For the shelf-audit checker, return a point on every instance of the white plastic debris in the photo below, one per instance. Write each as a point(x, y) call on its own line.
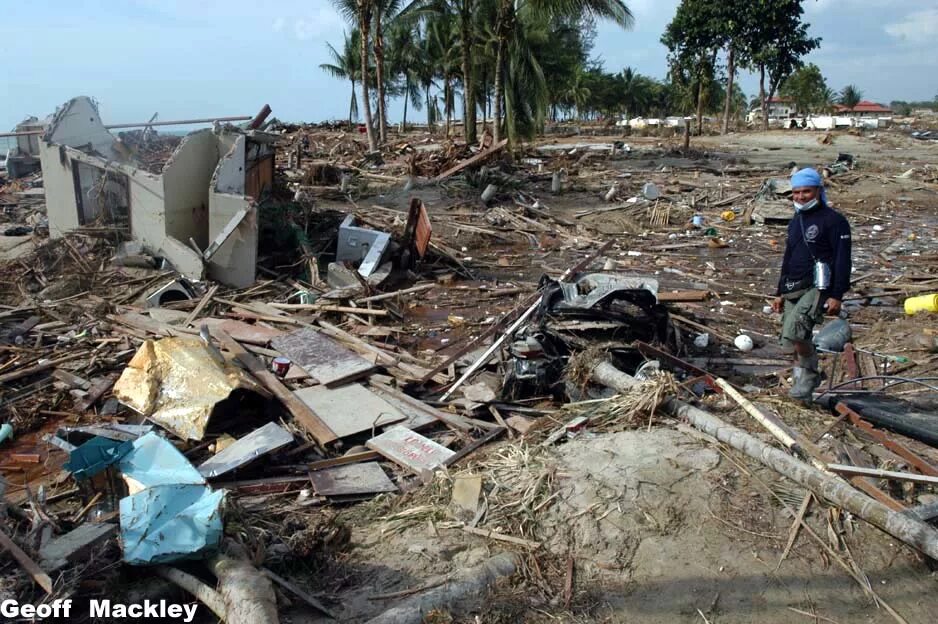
point(702, 340)
point(743, 343)
point(650, 191)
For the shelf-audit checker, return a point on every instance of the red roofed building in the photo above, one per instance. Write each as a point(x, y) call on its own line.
point(864, 109)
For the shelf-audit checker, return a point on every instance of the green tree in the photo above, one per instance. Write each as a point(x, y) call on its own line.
point(807, 89)
point(407, 61)
point(694, 37)
point(776, 40)
point(347, 66)
point(511, 18)
point(850, 96)
point(361, 13)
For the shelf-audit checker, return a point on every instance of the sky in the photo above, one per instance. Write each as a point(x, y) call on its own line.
point(215, 58)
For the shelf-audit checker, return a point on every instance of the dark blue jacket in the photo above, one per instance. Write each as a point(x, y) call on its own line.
point(826, 237)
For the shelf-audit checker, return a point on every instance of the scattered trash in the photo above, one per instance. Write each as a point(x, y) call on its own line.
point(743, 343)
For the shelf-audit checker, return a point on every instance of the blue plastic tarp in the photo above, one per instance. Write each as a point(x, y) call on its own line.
point(96, 455)
point(171, 513)
point(170, 522)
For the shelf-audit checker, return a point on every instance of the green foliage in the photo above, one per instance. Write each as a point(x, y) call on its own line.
point(850, 96)
point(808, 89)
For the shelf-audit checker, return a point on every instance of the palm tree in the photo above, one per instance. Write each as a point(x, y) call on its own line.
point(346, 66)
point(361, 12)
point(406, 59)
point(384, 11)
point(507, 22)
point(850, 96)
point(463, 11)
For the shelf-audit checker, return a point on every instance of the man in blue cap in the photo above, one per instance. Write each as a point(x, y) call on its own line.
point(815, 275)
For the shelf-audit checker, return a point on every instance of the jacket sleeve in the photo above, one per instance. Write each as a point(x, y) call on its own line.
point(786, 259)
point(843, 263)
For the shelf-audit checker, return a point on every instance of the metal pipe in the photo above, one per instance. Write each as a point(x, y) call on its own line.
point(181, 122)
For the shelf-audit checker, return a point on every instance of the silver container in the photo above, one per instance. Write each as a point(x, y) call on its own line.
point(822, 275)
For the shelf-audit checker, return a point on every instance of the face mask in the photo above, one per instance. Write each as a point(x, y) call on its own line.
point(806, 207)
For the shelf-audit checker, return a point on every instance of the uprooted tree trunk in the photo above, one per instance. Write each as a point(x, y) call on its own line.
point(472, 582)
point(244, 596)
point(913, 532)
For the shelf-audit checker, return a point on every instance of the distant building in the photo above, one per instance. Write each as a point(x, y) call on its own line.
point(864, 108)
point(779, 108)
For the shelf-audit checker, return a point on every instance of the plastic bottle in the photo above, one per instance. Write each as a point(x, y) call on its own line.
point(922, 303)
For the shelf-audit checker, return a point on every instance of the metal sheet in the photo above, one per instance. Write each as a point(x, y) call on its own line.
point(176, 382)
point(326, 360)
point(259, 442)
point(367, 478)
point(350, 409)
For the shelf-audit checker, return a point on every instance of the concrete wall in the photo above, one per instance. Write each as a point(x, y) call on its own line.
point(229, 176)
point(235, 262)
point(61, 205)
point(77, 124)
point(186, 179)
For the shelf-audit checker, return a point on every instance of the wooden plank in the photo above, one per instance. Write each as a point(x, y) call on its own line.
point(859, 471)
point(71, 379)
point(683, 296)
point(475, 160)
point(299, 592)
point(367, 478)
point(98, 389)
point(75, 544)
point(453, 421)
point(225, 233)
point(243, 332)
point(344, 459)
point(201, 306)
point(411, 450)
point(914, 460)
point(32, 568)
point(350, 409)
point(307, 418)
point(326, 360)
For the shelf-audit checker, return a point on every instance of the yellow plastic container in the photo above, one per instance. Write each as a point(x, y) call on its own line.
point(923, 303)
point(728, 215)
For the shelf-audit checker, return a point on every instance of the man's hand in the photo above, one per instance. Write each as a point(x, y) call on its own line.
point(833, 307)
point(778, 304)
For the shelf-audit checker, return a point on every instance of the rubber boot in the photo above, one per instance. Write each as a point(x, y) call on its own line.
point(807, 378)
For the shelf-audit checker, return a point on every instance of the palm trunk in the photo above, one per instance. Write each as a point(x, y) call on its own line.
point(426, 89)
point(731, 71)
point(763, 99)
point(379, 70)
point(446, 107)
point(700, 92)
point(351, 107)
point(364, 21)
point(468, 96)
point(499, 87)
point(406, 98)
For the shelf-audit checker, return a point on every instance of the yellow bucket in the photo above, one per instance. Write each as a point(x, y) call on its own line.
point(923, 303)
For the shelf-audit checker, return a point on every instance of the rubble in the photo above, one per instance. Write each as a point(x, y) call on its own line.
point(332, 348)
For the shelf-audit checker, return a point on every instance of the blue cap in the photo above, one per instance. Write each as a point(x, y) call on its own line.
point(809, 177)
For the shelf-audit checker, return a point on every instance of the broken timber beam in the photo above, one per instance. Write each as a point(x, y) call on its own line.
point(304, 416)
point(474, 160)
point(225, 233)
point(31, 567)
point(911, 531)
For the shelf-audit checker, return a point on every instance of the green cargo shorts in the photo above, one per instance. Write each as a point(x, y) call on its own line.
point(800, 316)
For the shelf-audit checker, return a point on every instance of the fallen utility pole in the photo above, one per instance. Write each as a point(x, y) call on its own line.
point(904, 528)
point(497, 343)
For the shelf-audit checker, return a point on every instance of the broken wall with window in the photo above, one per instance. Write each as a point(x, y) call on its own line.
point(210, 179)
